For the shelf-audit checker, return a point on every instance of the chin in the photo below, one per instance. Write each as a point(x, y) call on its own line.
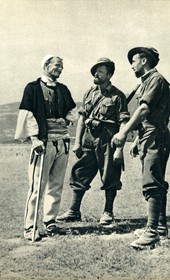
point(96, 82)
point(55, 77)
point(138, 75)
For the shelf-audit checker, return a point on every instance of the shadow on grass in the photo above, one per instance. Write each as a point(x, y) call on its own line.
point(122, 226)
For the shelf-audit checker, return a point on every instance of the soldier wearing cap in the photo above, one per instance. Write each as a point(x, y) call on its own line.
point(45, 111)
point(103, 111)
point(151, 119)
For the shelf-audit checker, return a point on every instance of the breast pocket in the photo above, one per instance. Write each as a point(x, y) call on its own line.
point(108, 109)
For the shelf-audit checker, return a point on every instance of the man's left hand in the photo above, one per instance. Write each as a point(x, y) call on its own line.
point(118, 157)
point(118, 139)
point(77, 149)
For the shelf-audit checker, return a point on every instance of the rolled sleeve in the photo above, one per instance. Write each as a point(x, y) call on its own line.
point(122, 114)
point(152, 92)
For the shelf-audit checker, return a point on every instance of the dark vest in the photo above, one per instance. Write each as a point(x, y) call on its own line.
point(33, 100)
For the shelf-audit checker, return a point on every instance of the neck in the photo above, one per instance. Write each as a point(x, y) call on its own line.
point(147, 69)
point(52, 78)
point(104, 85)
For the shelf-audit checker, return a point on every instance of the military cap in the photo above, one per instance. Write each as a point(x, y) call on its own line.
point(103, 61)
point(153, 53)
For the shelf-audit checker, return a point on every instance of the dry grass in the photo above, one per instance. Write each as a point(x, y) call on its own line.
point(88, 251)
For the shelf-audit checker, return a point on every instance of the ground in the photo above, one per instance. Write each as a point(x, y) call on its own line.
point(87, 251)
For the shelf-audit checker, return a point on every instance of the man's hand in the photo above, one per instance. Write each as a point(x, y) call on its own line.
point(134, 152)
point(61, 121)
point(37, 145)
point(118, 156)
point(118, 139)
point(77, 149)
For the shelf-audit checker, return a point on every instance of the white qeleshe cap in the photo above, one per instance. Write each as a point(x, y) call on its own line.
point(45, 58)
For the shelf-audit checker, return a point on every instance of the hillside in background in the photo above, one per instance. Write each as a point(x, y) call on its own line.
point(8, 120)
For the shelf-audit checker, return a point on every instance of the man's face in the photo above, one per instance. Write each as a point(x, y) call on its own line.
point(137, 65)
point(101, 76)
point(54, 68)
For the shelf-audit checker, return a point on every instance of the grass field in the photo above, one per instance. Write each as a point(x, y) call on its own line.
point(88, 251)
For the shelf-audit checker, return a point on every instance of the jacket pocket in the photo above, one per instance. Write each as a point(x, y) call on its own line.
point(108, 109)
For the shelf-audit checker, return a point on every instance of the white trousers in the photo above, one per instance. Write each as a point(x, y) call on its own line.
point(54, 168)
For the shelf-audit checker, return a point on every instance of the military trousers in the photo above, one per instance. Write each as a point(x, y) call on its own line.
point(98, 157)
point(154, 154)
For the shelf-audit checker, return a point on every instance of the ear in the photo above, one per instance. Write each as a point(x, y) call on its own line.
point(109, 75)
point(46, 67)
point(144, 60)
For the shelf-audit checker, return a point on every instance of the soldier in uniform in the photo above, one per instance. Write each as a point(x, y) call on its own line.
point(151, 119)
point(103, 112)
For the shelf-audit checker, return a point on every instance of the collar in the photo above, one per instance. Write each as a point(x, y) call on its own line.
point(148, 74)
point(106, 90)
point(48, 81)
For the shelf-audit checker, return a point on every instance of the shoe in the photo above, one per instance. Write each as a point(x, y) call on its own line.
point(107, 218)
point(52, 230)
point(162, 230)
point(69, 216)
point(28, 234)
point(149, 237)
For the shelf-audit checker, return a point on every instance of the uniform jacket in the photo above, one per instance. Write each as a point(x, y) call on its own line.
point(110, 105)
point(109, 108)
point(155, 92)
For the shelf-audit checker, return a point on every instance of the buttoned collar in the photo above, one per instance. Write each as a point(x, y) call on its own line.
point(48, 81)
point(148, 74)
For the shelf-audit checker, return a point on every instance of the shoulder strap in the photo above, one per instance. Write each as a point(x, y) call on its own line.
point(129, 98)
point(95, 105)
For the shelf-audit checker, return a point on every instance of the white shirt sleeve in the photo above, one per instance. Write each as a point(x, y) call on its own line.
point(72, 115)
point(26, 125)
